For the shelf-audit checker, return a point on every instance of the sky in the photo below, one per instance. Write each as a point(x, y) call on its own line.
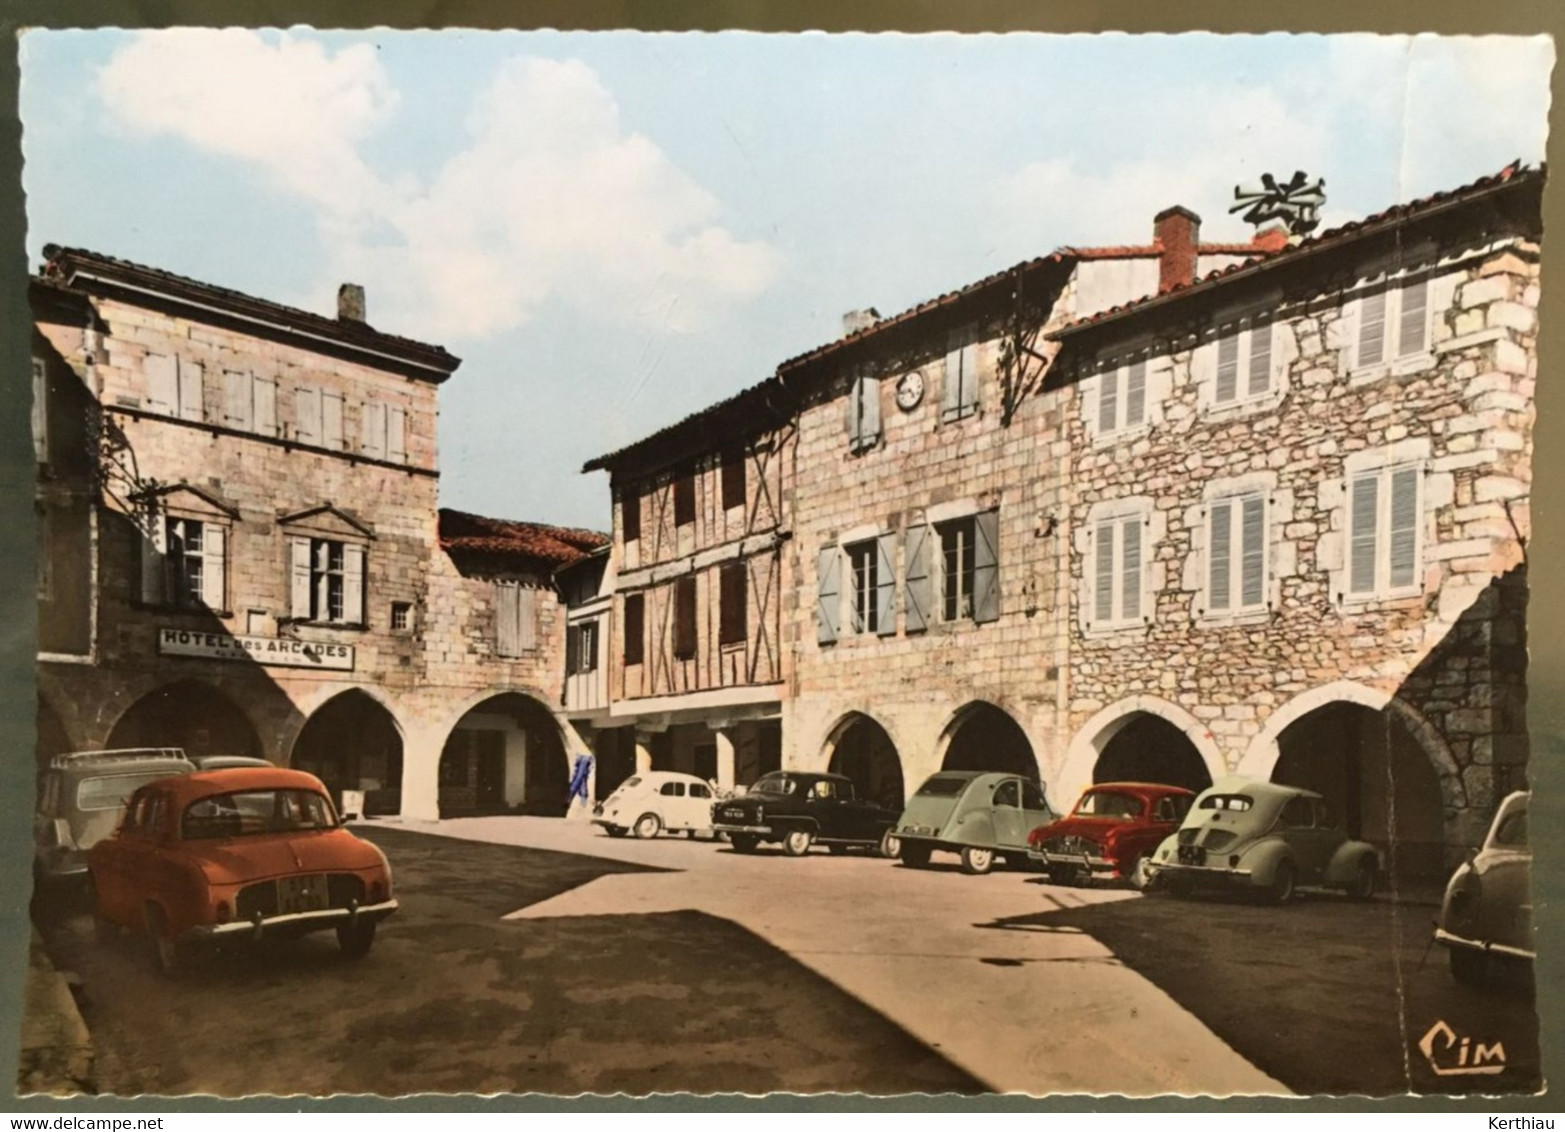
point(614, 230)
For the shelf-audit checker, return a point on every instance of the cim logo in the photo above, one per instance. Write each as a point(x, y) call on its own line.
point(1450, 1055)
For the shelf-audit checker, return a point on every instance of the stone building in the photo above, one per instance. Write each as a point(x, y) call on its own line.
point(241, 550)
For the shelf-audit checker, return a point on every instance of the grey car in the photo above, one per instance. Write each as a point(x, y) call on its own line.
point(80, 797)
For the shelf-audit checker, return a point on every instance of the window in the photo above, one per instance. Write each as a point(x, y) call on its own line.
point(969, 583)
point(184, 563)
point(328, 581)
point(317, 417)
point(1122, 397)
point(581, 648)
point(187, 563)
point(863, 413)
point(733, 479)
point(959, 398)
point(516, 618)
point(174, 386)
point(630, 514)
point(1236, 555)
point(635, 628)
point(384, 429)
point(1008, 793)
point(861, 568)
point(1298, 813)
point(672, 790)
point(732, 584)
point(401, 616)
point(1032, 797)
point(250, 402)
point(685, 617)
point(1393, 322)
point(1244, 362)
point(1383, 521)
point(1118, 570)
point(685, 499)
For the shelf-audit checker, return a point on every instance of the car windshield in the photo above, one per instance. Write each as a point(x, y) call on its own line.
point(939, 787)
point(111, 791)
point(774, 784)
point(1512, 831)
point(248, 812)
point(1237, 802)
point(1108, 804)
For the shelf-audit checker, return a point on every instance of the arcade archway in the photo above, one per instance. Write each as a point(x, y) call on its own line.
point(505, 755)
point(1148, 748)
point(982, 737)
point(190, 715)
point(861, 750)
point(352, 742)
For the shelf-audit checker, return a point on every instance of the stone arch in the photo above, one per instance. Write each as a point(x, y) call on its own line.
point(506, 752)
point(1092, 739)
point(983, 736)
point(862, 749)
point(353, 741)
point(190, 714)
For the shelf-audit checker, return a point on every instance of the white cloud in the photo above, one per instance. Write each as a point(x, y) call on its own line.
point(551, 196)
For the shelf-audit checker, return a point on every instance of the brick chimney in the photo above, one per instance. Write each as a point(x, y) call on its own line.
point(855, 321)
point(350, 303)
point(1176, 232)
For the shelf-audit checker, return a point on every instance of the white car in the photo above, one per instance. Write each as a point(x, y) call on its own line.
point(647, 804)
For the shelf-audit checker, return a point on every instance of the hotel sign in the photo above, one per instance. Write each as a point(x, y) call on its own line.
point(260, 650)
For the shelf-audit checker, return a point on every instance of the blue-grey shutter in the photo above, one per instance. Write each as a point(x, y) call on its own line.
point(1404, 526)
point(869, 426)
point(986, 566)
point(885, 586)
point(827, 601)
point(1221, 555)
point(1103, 605)
point(1108, 400)
point(1136, 393)
point(1252, 551)
point(1415, 305)
point(969, 385)
point(951, 391)
point(1365, 497)
point(1227, 366)
point(916, 613)
point(1372, 329)
point(1260, 358)
point(1130, 596)
point(507, 602)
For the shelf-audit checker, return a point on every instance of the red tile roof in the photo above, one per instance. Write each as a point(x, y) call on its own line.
point(537, 543)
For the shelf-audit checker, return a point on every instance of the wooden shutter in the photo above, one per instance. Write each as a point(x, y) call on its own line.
point(869, 422)
point(1404, 527)
point(372, 426)
point(1136, 393)
point(162, 383)
point(508, 619)
point(685, 498)
point(353, 584)
point(1108, 400)
point(396, 434)
point(331, 420)
point(1221, 556)
point(301, 593)
point(190, 390)
point(951, 393)
point(40, 419)
point(685, 617)
point(916, 564)
point(828, 601)
point(572, 650)
point(1361, 569)
point(635, 628)
point(1372, 329)
point(307, 415)
point(630, 513)
point(733, 479)
point(885, 586)
point(1252, 552)
point(732, 602)
point(527, 618)
point(1411, 328)
point(968, 396)
point(1260, 358)
point(986, 566)
point(213, 566)
point(236, 399)
point(853, 420)
point(154, 555)
point(1103, 574)
point(1227, 366)
point(1130, 595)
point(265, 390)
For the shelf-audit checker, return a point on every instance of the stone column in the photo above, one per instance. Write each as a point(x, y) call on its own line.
point(643, 752)
point(725, 757)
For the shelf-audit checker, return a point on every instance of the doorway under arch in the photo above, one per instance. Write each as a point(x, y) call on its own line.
point(1149, 748)
point(352, 742)
point(982, 737)
point(505, 755)
point(187, 714)
point(863, 751)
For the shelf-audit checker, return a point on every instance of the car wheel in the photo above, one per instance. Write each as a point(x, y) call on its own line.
point(796, 842)
point(1281, 890)
point(977, 862)
point(890, 845)
point(648, 825)
point(1363, 886)
point(616, 830)
point(915, 856)
point(743, 842)
point(355, 940)
point(1137, 874)
point(1468, 967)
point(167, 955)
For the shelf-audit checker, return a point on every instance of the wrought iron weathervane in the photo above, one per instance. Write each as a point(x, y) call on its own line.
point(1296, 202)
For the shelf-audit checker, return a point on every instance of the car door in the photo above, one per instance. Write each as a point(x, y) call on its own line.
point(1310, 843)
point(671, 805)
point(1010, 828)
point(698, 806)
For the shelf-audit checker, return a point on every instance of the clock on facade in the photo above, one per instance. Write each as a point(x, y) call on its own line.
point(910, 390)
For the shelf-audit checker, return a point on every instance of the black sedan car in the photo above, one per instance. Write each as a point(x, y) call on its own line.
point(799, 810)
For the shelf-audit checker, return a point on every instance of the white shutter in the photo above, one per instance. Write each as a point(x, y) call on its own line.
point(986, 566)
point(300, 595)
point(969, 384)
point(162, 383)
point(507, 619)
point(372, 430)
point(951, 392)
point(331, 420)
point(855, 412)
point(190, 407)
point(265, 406)
point(1412, 328)
point(527, 617)
point(869, 425)
point(1260, 359)
point(1108, 400)
point(307, 416)
point(1361, 530)
point(885, 586)
point(154, 556)
point(1103, 575)
point(1404, 526)
point(353, 584)
point(1252, 551)
point(916, 551)
point(213, 567)
point(1130, 594)
point(1220, 552)
point(1372, 329)
point(1227, 367)
point(1136, 393)
point(828, 599)
point(236, 399)
point(396, 434)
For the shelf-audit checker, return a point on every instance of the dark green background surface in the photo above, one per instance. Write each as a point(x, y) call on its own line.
point(1546, 711)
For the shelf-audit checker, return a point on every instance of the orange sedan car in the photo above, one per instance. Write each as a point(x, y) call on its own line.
point(246, 853)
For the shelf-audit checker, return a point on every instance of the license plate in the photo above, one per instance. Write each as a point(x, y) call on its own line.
point(1192, 855)
point(301, 894)
point(733, 815)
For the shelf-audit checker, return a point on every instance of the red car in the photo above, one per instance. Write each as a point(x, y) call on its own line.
point(1111, 832)
point(251, 853)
